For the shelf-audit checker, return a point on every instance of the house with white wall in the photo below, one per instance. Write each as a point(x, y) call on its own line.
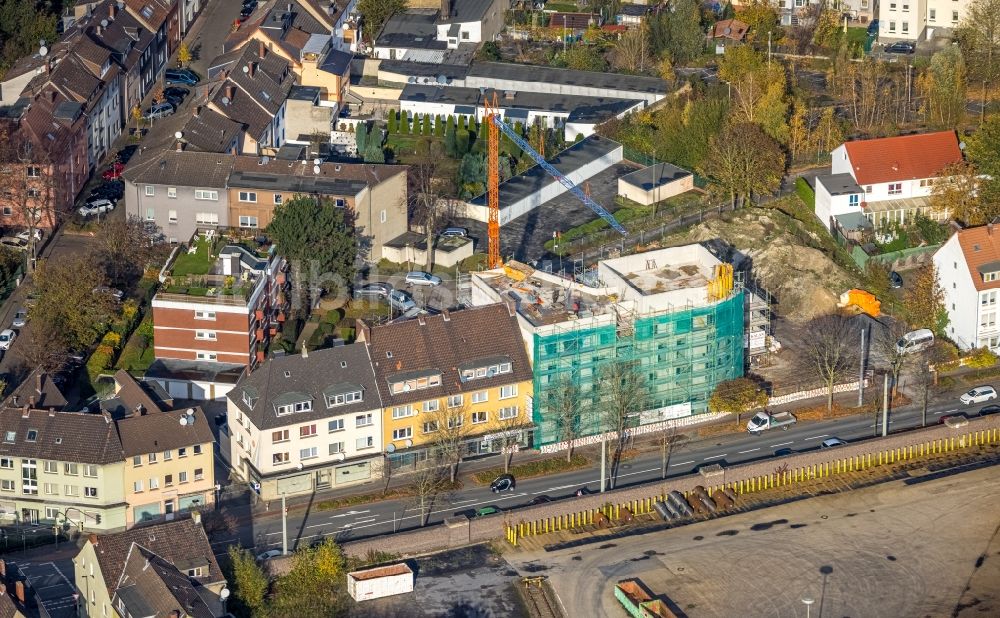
point(920, 19)
point(968, 271)
point(886, 180)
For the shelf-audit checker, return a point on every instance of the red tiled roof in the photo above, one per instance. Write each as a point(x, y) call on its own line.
point(736, 29)
point(981, 248)
point(906, 157)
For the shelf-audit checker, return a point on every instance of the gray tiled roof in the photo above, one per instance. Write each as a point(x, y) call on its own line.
point(289, 379)
point(152, 586)
point(210, 131)
point(60, 436)
point(39, 391)
point(186, 169)
point(160, 431)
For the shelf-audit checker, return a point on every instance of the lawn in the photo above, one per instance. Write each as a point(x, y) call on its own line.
point(197, 263)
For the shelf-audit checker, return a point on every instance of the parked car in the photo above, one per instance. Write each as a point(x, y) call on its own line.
point(978, 394)
point(901, 47)
point(103, 289)
point(488, 510)
point(7, 338)
point(401, 301)
point(159, 110)
point(20, 318)
point(376, 290)
point(539, 500)
point(95, 208)
point(125, 154)
point(13, 242)
point(115, 171)
point(451, 232)
point(24, 234)
point(267, 555)
point(832, 442)
point(186, 77)
point(176, 92)
point(895, 280)
point(113, 190)
point(419, 277)
point(781, 452)
point(987, 410)
point(504, 482)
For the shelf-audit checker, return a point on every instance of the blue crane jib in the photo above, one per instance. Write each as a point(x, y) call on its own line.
point(566, 182)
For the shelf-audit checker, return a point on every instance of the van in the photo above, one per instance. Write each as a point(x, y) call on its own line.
point(914, 341)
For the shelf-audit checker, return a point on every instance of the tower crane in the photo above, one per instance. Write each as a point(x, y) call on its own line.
point(495, 126)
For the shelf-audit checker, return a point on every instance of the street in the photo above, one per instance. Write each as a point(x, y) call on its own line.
point(394, 515)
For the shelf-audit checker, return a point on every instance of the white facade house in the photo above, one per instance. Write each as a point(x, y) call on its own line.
point(919, 19)
point(886, 180)
point(968, 271)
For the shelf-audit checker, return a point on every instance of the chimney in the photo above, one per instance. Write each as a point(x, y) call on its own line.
point(197, 111)
point(93, 539)
point(19, 591)
point(305, 351)
point(31, 403)
point(421, 320)
point(289, 5)
point(179, 146)
point(48, 65)
point(253, 69)
point(3, 588)
point(24, 411)
point(99, 30)
point(38, 383)
point(175, 613)
point(112, 8)
point(262, 49)
point(363, 330)
point(52, 412)
point(141, 411)
point(231, 92)
point(196, 517)
point(445, 315)
point(3, 568)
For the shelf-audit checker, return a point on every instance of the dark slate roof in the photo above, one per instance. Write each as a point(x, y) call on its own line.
point(567, 77)
point(152, 586)
point(655, 176)
point(169, 368)
point(242, 107)
point(181, 542)
point(574, 21)
point(839, 184)
point(186, 169)
point(39, 391)
point(411, 29)
point(445, 342)
point(599, 112)
point(304, 93)
point(465, 11)
point(336, 62)
point(305, 184)
point(287, 379)
point(61, 436)
point(634, 10)
point(423, 69)
point(210, 131)
point(160, 431)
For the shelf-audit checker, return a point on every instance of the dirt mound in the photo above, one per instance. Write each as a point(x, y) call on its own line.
point(783, 255)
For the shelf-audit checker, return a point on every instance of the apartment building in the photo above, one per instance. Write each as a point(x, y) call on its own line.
point(149, 571)
point(307, 422)
point(968, 271)
point(61, 467)
point(465, 369)
point(920, 19)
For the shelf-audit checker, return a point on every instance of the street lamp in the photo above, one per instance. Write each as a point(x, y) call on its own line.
point(808, 602)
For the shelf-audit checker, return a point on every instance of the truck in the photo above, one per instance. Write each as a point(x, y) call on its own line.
point(638, 602)
point(764, 420)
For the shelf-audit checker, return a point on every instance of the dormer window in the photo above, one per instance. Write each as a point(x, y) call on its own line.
point(404, 383)
point(304, 405)
point(250, 399)
point(485, 368)
point(342, 399)
point(991, 276)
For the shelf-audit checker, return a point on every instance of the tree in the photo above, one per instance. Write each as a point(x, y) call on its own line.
point(894, 358)
point(448, 433)
point(361, 138)
point(666, 70)
point(393, 122)
point(762, 18)
point(584, 58)
point(314, 233)
point(70, 314)
point(798, 132)
point(632, 52)
point(877, 279)
point(315, 584)
point(745, 161)
point(979, 38)
point(123, 249)
point(427, 197)
point(983, 151)
point(427, 130)
point(830, 351)
point(737, 396)
point(373, 151)
point(923, 301)
point(249, 581)
point(623, 395)
point(758, 89)
point(869, 91)
point(956, 194)
point(374, 14)
point(22, 26)
point(183, 53)
point(686, 37)
point(425, 484)
point(563, 404)
point(509, 432)
point(670, 439)
point(942, 87)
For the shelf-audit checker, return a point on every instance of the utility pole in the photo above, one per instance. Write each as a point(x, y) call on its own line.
point(885, 406)
point(923, 408)
point(604, 451)
point(284, 527)
point(861, 376)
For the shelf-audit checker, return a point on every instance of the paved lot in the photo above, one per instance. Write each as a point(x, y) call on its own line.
point(890, 550)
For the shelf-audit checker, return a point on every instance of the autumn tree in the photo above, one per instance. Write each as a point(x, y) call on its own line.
point(831, 351)
point(623, 395)
point(677, 32)
point(983, 151)
point(942, 87)
point(762, 17)
point(632, 51)
point(183, 53)
point(746, 162)
point(868, 90)
point(123, 250)
point(923, 301)
point(583, 57)
point(955, 194)
point(562, 402)
point(893, 358)
point(375, 13)
point(428, 195)
point(68, 312)
point(979, 38)
point(737, 396)
point(315, 584)
point(798, 132)
point(665, 69)
point(249, 582)
point(758, 89)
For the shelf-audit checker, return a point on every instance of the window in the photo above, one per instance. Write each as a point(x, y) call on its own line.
point(895, 188)
point(206, 356)
point(150, 191)
point(248, 221)
point(205, 335)
point(854, 199)
point(506, 392)
point(168, 480)
point(151, 458)
point(933, 14)
point(402, 412)
point(9, 436)
point(195, 572)
point(51, 467)
point(7, 211)
point(892, 6)
point(70, 469)
point(480, 397)
point(29, 477)
point(432, 406)
point(417, 384)
point(487, 371)
point(279, 458)
point(336, 424)
point(382, 218)
point(197, 449)
point(90, 492)
point(136, 461)
point(455, 421)
point(33, 171)
point(430, 426)
point(954, 17)
point(455, 401)
point(204, 315)
point(172, 216)
point(906, 8)
point(402, 434)
point(168, 455)
point(892, 26)
point(989, 298)
point(248, 196)
point(7, 462)
point(206, 218)
point(986, 277)
point(336, 447)
point(137, 486)
point(154, 483)
point(340, 202)
point(7, 485)
point(363, 420)
point(52, 489)
point(90, 471)
point(199, 473)
point(343, 398)
point(182, 452)
point(307, 453)
point(364, 442)
point(277, 198)
point(31, 436)
point(307, 431)
point(182, 477)
point(34, 193)
point(172, 192)
point(906, 27)
point(279, 436)
point(988, 320)
point(205, 194)
point(507, 413)
point(70, 490)
point(302, 406)
point(479, 417)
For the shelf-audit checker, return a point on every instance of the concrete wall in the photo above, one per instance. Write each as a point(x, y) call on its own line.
point(447, 259)
point(656, 194)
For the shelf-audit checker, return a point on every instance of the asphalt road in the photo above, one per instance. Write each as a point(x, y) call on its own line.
point(394, 515)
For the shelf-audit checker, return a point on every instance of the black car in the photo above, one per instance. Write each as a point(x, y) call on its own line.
point(248, 9)
point(127, 153)
point(585, 491)
point(895, 280)
point(901, 47)
point(987, 410)
point(539, 500)
point(781, 452)
point(176, 92)
point(504, 482)
point(110, 190)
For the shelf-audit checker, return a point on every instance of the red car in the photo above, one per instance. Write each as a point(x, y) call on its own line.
point(114, 172)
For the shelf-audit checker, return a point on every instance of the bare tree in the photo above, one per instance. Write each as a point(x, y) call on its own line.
point(830, 350)
point(632, 51)
point(670, 439)
point(563, 402)
point(123, 249)
point(448, 431)
point(428, 197)
point(894, 358)
point(426, 483)
point(623, 395)
point(510, 431)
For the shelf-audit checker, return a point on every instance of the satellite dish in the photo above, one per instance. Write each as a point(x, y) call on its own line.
point(104, 23)
point(961, 145)
point(442, 79)
point(390, 449)
point(43, 51)
point(298, 466)
point(225, 100)
point(246, 69)
point(411, 80)
point(317, 161)
point(408, 443)
point(190, 411)
point(224, 594)
point(406, 388)
point(315, 169)
point(178, 135)
point(342, 456)
point(183, 421)
point(728, 31)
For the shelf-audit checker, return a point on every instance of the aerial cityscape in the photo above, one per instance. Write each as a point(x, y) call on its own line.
point(499, 308)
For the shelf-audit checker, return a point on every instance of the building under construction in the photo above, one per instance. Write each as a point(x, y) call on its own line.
point(675, 315)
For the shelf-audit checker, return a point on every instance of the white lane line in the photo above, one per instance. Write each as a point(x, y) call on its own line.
point(944, 412)
point(783, 444)
point(749, 450)
point(366, 520)
point(953, 410)
point(715, 457)
point(350, 513)
point(558, 488)
point(817, 437)
point(457, 502)
point(681, 463)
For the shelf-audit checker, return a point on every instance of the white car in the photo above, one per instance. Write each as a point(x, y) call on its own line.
point(7, 337)
point(25, 234)
point(97, 207)
point(832, 442)
point(20, 318)
point(978, 395)
point(419, 277)
point(267, 555)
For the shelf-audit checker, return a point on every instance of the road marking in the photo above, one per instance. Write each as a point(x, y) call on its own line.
point(783, 444)
point(749, 451)
point(954, 410)
point(825, 435)
point(456, 503)
point(349, 513)
point(558, 488)
point(681, 463)
point(366, 520)
point(943, 412)
point(715, 456)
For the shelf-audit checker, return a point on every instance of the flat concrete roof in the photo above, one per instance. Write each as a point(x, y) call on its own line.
point(655, 176)
point(839, 184)
point(541, 101)
point(567, 77)
point(545, 298)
